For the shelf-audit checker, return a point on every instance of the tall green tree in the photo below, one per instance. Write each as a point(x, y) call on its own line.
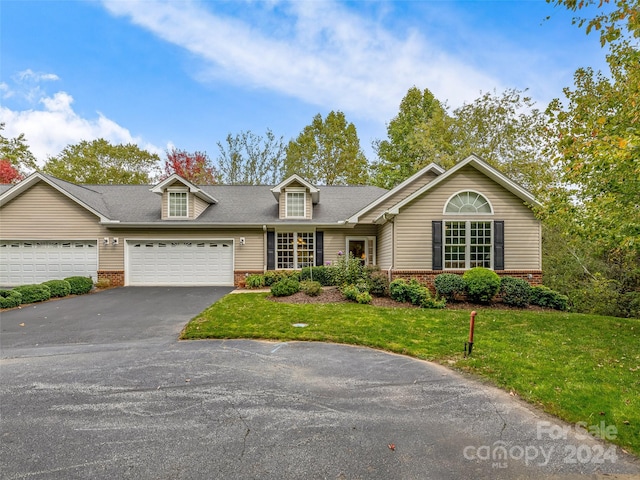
point(250, 159)
point(100, 162)
point(17, 152)
point(327, 152)
point(421, 133)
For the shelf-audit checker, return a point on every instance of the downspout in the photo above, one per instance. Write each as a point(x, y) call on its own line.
point(393, 247)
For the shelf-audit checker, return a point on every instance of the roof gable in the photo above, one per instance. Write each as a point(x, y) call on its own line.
point(479, 164)
point(175, 178)
point(61, 186)
point(296, 179)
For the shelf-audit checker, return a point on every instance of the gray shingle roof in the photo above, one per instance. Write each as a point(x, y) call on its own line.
point(237, 204)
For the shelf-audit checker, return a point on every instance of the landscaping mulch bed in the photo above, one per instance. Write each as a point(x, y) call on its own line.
point(333, 295)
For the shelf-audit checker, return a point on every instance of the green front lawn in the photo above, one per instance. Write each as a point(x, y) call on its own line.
point(582, 368)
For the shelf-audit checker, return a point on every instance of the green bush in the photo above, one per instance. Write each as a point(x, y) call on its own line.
point(515, 291)
point(347, 269)
point(379, 284)
point(481, 284)
point(350, 292)
point(34, 293)
point(321, 274)
point(10, 298)
point(398, 290)
point(547, 298)
point(103, 283)
point(59, 288)
point(363, 298)
point(449, 285)
point(285, 287)
point(417, 294)
point(631, 304)
point(255, 281)
point(434, 303)
point(311, 288)
point(274, 276)
point(80, 285)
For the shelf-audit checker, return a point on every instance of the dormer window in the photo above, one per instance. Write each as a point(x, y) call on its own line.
point(178, 204)
point(296, 204)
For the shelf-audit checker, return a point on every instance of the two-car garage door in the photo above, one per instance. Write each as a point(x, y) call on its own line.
point(26, 262)
point(180, 262)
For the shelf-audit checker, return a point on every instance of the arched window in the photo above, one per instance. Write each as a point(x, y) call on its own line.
point(468, 202)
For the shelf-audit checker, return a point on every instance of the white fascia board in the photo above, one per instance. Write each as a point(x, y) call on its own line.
point(437, 169)
point(482, 166)
point(36, 177)
point(186, 224)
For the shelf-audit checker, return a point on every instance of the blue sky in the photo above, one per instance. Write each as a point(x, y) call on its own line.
point(187, 73)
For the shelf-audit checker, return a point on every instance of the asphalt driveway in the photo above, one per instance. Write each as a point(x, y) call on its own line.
point(97, 402)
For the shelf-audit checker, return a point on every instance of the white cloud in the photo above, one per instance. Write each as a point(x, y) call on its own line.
point(318, 52)
point(54, 125)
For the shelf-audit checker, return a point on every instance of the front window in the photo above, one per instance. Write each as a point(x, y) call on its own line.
point(178, 204)
point(467, 244)
point(295, 204)
point(294, 250)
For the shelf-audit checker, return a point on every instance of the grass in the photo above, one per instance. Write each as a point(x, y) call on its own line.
point(581, 368)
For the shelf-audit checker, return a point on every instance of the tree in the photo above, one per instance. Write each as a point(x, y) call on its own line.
point(100, 162)
point(420, 134)
point(249, 159)
point(17, 152)
point(505, 130)
point(9, 173)
point(327, 152)
point(195, 167)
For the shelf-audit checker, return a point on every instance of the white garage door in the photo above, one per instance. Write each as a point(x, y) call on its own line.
point(25, 262)
point(180, 262)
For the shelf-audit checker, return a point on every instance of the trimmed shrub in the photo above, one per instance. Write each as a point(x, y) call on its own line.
point(481, 284)
point(103, 283)
point(274, 276)
point(311, 288)
point(547, 298)
point(417, 293)
point(255, 281)
point(515, 291)
point(379, 284)
point(449, 285)
point(321, 274)
point(34, 293)
point(285, 287)
point(10, 298)
point(350, 292)
point(80, 285)
point(59, 288)
point(363, 298)
point(398, 290)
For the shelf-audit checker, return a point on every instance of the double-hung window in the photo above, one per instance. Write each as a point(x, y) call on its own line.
point(294, 250)
point(296, 204)
point(467, 243)
point(178, 204)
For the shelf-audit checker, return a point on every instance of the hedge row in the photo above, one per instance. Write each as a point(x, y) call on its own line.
point(44, 291)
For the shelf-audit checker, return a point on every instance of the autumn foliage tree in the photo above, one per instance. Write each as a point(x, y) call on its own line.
point(195, 167)
point(9, 173)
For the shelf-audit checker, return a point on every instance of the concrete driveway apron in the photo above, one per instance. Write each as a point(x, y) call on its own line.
point(107, 400)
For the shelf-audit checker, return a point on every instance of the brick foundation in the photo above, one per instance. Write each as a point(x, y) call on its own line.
point(240, 276)
point(427, 277)
point(115, 277)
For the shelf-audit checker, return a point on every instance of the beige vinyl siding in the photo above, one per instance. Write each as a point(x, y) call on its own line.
point(308, 213)
point(199, 206)
point(249, 256)
point(398, 197)
point(385, 245)
point(413, 224)
point(43, 213)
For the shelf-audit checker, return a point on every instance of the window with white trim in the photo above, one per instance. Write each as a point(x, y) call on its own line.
point(468, 243)
point(178, 204)
point(295, 250)
point(296, 204)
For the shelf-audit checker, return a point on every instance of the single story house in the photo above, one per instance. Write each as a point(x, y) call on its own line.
point(178, 233)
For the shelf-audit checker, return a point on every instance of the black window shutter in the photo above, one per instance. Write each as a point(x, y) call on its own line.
point(271, 250)
point(319, 248)
point(436, 241)
point(498, 245)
